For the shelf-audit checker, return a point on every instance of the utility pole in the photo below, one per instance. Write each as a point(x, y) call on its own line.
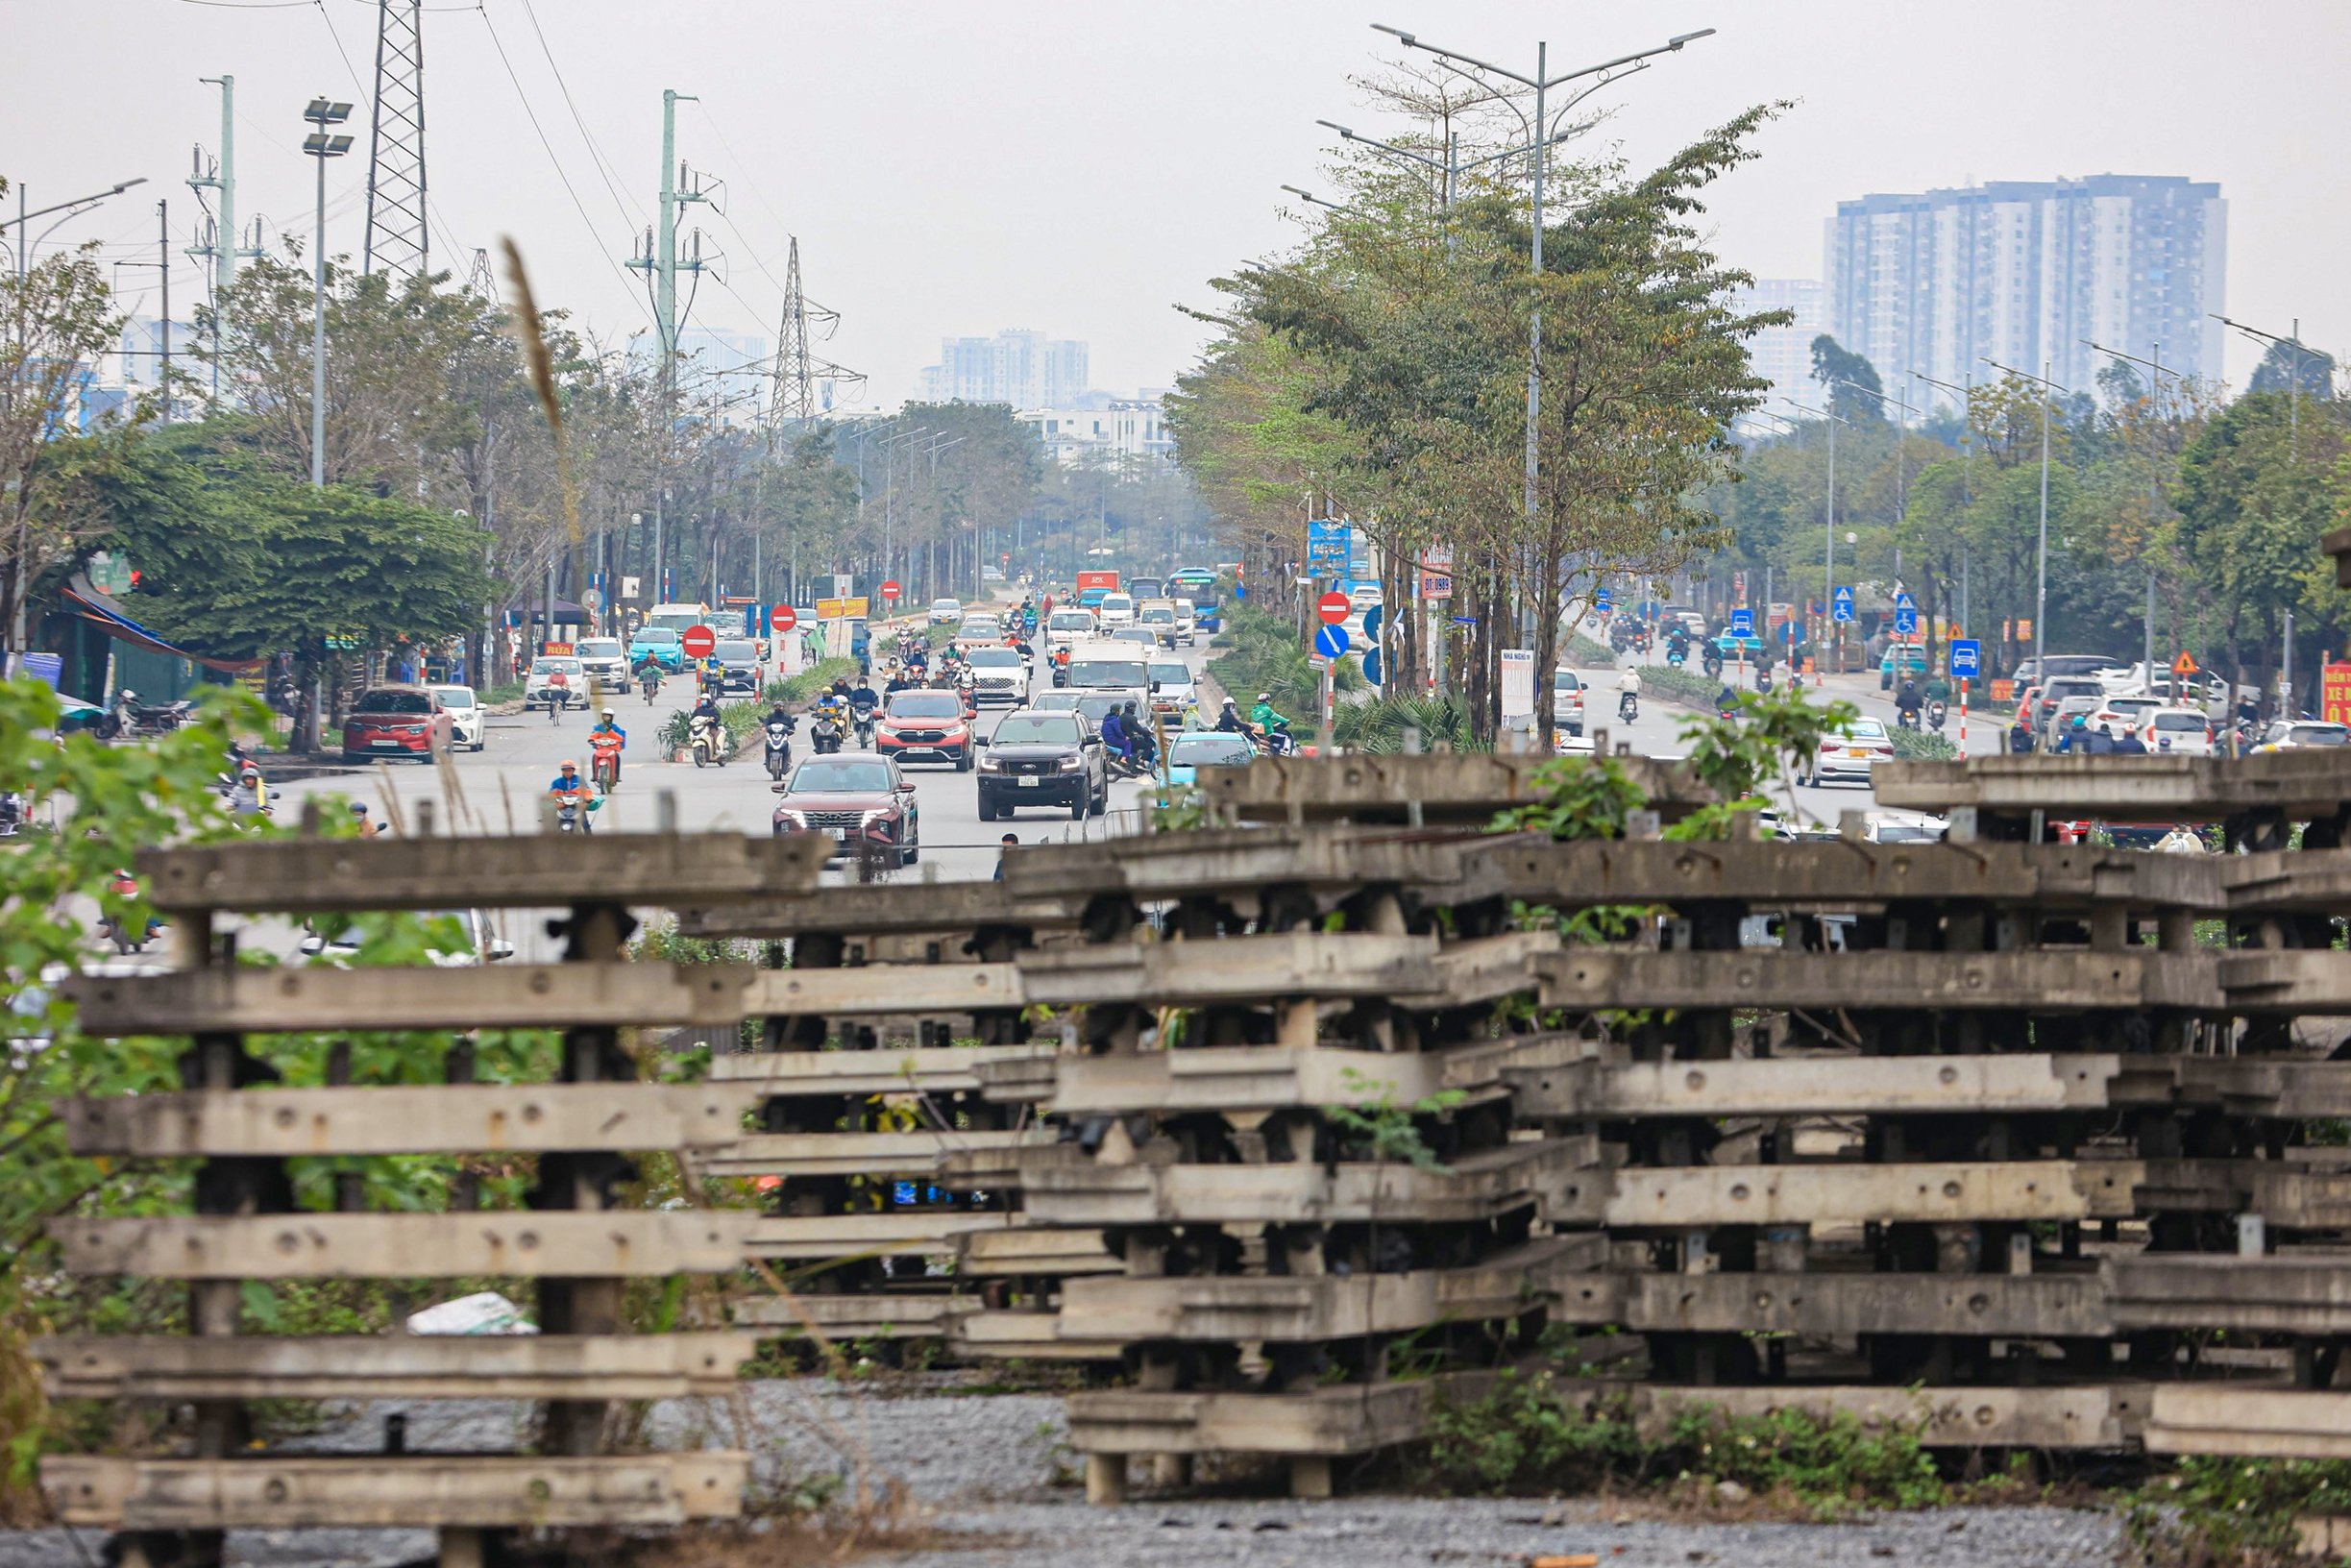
point(398, 243)
point(162, 267)
point(658, 259)
point(220, 246)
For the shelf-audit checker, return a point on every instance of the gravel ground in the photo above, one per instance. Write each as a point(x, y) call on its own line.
point(993, 1469)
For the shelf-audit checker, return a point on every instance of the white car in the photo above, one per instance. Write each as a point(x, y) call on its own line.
point(947, 612)
point(999, 674)
point(1902, 827)
point(1187, 628)
point(978, 630)
point(1862, 746)
point(1117, 610)
point(1566, 702)
point(1173, 687)
point(2294, 734)
point(2180, 732)
point(2126, 711)
point(606, 658)
point(1069, 626)
point(465, 717)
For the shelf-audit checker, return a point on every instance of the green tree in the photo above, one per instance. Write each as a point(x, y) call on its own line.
point(1851, 382)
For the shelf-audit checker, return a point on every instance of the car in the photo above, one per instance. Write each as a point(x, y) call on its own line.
point(1044, 757)
point(1911, 659)
point(947, 612)
point(1197, 749)
point(2067, 709)
point(1143, 637)
point(396, 722)
point(857, 798)
point(539, 687)
point(978, 628)
point(2055, 691)
point(1173, 687)
point(658, 642)
point(2294, 734)
point(1733, 648)
point(1850, 753)
point(1069, 625)
point(1095, 707)
point(1902, 827)
point(466, 719)
point(932, 726)
point(999, 674)
point(1363, 596)
point(1567, 702)
point(604, 659)
point(2184, 732)
point(739, 665)
point(1187, 623)
point(2123, 711)
point(2092, 665)
point(1117, 609)
point(1160, 619)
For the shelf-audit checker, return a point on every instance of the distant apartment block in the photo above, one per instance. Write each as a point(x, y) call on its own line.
point(1025, 369)
point(1783, 355)
point(725, 373)
point(1131, 429)
point(2020, 271)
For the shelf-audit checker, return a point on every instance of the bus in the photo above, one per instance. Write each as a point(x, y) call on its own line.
point(678, 617)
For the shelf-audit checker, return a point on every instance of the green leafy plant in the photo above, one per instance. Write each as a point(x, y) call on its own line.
point(1388, 1128)
point(1576, 798)
point(1924, 745)
point(2218, 1511)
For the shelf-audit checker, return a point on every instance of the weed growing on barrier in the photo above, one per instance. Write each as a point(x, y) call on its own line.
point(1526, 1433)
point(2212, 1510)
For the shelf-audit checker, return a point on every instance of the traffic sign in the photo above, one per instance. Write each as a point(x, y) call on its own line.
point(1967, 656)
point(1329, 641)
point(1905, 619)
point(1371, 624)
point(1599, 600)
point(592, 600)
point(1904, 601)
point(1742, 621)
point(698, 641)
point(1791, 631)
point(1333, 607)
point(1843, 600)
point(1371, 666)
point(890, 589)
point(2184, 666)
point(783, 617)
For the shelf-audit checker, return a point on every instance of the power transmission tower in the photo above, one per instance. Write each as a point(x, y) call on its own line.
point(396, 239)
point(481, 280)
point(797, 372)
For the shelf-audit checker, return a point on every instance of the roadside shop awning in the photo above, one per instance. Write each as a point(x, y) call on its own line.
point(91, 604)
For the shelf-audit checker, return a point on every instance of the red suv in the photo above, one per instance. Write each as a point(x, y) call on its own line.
point(396, 720)
point(932, 726)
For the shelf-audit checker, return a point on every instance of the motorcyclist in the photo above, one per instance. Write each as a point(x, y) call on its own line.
point(1138, 732)
point(608, 737)
point(863, 695)
point(705, 706)
point(1114, 735)
point(1264, 715)
point(1907, 703)
point(569, 789)
point(1229, 720)
point(898, 683)
point(249, 796)
point(2101, 742)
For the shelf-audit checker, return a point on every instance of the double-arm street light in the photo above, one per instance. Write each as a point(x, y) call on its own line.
point(2041, 586)
point(71, 209)
point(322, 145)
point(2294, 390)
point(1541, 140)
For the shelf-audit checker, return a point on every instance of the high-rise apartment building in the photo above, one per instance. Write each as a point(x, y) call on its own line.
point(1025, 369)
point(2020, 272)
point(724, 374)
point(1783, 355)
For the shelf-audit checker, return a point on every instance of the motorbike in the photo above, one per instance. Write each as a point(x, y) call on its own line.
point(12, 813)
point(825, 734)
point(131, 717)
point(650, 681)
point(1763, 680)
point(2020, 738)
point(1677, 655)
point(861, 722)
point(606, 764)
point(570, 819)
point(1279, 742)
point(779, 747)
point(1121, 763)
point(1627, 706)
point(125, 941)
point(1935, 713)
point(706, 738)
point(1907, 717)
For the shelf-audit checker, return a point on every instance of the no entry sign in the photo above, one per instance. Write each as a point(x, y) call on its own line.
point(698, 641)
point(1333, 607)
point(783, 617)
point(890, 589)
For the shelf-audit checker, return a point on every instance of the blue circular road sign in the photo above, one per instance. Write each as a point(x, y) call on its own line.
point(1329, 641)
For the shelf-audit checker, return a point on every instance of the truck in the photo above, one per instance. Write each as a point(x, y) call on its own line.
point(1106, 581)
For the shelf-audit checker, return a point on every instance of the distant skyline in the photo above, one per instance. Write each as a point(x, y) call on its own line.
point(936, 192)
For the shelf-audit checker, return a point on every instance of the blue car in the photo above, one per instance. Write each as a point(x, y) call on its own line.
point(659, 643)
point(1197, 749)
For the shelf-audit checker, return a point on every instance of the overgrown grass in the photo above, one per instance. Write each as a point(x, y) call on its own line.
point(1528, 1436)
point(1378, 726)
point(1668, 684)
point(1579, 650)
point(2223, 1512)
point(1924, 745)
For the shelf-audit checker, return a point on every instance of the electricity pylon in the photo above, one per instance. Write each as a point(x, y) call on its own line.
point(397, 243)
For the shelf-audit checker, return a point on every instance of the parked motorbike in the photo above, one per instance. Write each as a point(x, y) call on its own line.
point(707, 739)
point(1935, 713)
point(779, 747)
point(131, 717)
point(12, 813)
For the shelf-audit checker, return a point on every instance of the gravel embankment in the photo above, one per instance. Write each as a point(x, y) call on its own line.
point(993, 1469)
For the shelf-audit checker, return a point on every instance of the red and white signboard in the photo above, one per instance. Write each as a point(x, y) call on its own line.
point(1333, 608)
point(890, 589)
point(783, 617)
point(698, 641)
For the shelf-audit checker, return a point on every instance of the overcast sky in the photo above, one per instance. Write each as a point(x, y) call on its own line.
point(1081, 167)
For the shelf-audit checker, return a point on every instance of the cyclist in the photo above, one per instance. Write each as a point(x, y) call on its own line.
point(606, 741)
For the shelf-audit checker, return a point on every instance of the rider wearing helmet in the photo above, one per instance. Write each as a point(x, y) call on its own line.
point(1229, 720)
point(609, 738)
point(1264, 715)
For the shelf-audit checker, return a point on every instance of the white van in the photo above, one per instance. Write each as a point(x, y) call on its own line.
point(1117, 610)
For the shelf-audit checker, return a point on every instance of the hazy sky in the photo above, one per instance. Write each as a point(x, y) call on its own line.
point(1080, 167)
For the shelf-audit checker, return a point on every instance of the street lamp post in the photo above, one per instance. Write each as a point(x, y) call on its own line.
point(1539, 146)
point(1829, 585)
point(2041, 581)
point(322, 145)
point(2293, 391)
point(2154, 486)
